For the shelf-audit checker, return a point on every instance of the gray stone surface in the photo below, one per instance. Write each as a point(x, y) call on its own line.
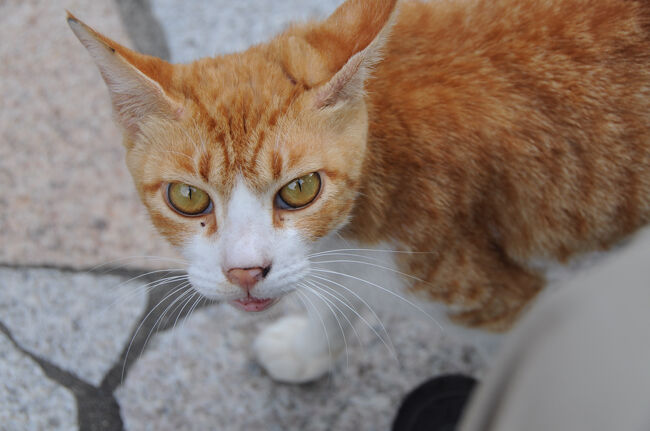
point(29, 401)
point(146, 32)
point(77, 321)
point(200, 28)
point(65, 195)
point(202, 376)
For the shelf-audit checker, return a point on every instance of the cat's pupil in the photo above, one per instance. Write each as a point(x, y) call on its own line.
point(187, 192)
point(296, 183)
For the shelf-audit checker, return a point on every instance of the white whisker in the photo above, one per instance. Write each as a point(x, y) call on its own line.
point(192, 308)
point(356, 295)
point(162, 315)
point(387, 342)
point(181, 310)
point(342, 301)
point(338, 321)
point(333, 255)
point(371, 250)
point(341, 238)
point(440, 326)
point(329, 345)
point(146, 287)
point(374, 265)
point(128, 350)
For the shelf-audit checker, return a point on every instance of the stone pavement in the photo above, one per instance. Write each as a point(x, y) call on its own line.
point(84, 341)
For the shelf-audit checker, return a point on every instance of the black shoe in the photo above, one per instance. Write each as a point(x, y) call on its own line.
point(435, 405)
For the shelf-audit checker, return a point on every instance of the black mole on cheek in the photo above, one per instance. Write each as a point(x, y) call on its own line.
point(202, 224)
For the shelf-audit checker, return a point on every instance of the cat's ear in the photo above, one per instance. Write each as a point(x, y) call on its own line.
point(135, 81)
point(350, 42)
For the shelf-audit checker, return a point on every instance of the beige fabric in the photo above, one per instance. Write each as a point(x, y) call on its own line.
point(581, 359)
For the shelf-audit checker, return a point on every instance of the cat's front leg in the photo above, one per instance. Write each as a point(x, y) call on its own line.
point(300, 348)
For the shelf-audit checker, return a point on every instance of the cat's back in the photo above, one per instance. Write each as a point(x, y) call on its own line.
point(448, 52)
point(543, 105)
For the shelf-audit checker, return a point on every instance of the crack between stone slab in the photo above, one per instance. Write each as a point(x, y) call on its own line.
point(145, 30)
point(97, 406)
point(97, 410)
point(95, 270)
point(148, 323)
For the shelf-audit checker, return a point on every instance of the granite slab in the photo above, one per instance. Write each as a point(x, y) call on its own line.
point(29, 401)
point(66, 197)
point(202, 375)
point(78, 321)
point(209, 27)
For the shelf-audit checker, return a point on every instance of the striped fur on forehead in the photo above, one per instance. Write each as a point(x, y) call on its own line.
point(242, 130)
point(236, 100)
point(287, 140)
point(208, 146)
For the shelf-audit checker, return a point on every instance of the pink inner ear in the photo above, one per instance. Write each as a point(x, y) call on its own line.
point(345, 85)
point(351, 40)
point(350, 29)
point(179, 113)
point(135, 81)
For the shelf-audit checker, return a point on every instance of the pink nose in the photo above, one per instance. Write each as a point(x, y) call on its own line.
point(246, 278)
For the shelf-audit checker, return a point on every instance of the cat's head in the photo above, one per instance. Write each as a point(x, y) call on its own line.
point(244, 161)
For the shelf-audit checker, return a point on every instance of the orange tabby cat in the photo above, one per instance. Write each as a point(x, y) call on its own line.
point(483, 133)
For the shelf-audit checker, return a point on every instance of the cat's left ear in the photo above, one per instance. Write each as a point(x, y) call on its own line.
point(351, 41)
point(136, 82)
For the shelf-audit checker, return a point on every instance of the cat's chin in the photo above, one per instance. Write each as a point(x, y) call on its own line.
point(254, 305)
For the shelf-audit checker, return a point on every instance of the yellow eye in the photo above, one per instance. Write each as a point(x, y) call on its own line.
point(188, 200)
point(299, 192)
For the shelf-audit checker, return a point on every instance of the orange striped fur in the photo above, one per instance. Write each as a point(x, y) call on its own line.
point(488, 132)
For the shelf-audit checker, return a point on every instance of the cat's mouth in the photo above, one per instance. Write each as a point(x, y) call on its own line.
point(253, 305)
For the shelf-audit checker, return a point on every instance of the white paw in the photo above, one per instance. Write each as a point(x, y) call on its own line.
point(290, 353)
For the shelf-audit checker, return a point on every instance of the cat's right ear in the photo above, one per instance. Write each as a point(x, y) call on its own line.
point(350, 42)
point(135, 81)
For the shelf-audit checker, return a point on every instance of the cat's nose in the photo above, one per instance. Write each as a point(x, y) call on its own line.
point(246, 278)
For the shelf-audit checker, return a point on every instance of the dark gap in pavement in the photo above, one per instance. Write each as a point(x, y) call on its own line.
point(145, 31)
point(126, 272)
point(167, 305)
point(97, 409)
point(161, 294)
